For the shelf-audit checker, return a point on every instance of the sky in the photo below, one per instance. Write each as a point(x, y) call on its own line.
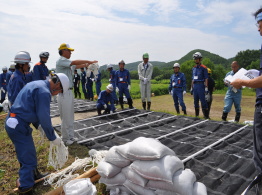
point(112, 30)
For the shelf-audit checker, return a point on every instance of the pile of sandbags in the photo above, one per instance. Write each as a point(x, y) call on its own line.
point(145, 166)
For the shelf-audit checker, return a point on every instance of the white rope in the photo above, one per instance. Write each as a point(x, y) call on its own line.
point(58, 154)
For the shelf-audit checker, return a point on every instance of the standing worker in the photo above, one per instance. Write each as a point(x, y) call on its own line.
point(40, 70)
point(83, 81)
point(3, 84)
point(18, 78)
point(177, 88)
point(112, 80)
point(105, 97)
point(123, 85)
point(66, 100)
point(199, 85)
point(89, 85)
point(32, 105)
point(9, 73)
point(232, 96)
point(76, 82)
point(211, 88)
point(98, 83)
point(145, 70)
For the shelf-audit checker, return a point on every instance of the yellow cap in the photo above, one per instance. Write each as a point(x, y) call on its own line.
point(65, 46)
point(209, 71)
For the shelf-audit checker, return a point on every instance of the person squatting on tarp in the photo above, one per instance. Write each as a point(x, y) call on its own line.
point(18, 79)
point(177, 88)
point(232, 96)
point(211, 88)
point(66, 100)
point(76, 81)
point(40, 70)
point(112, 80)
point(98, 83)
point(83, 81)
point(32, 105)
point(123, 85)
point(256, 83)
point(106, 101)
point(199, 85)
point(145, 70)
point(3, 84)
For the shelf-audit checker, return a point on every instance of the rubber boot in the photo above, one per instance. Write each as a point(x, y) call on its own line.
point(99, 112)
point(224, 116)
point(205, 112)
point(92, 99)
point(38, 175)
point(197, 112)
point(184, 112)
point(177, 110)
point(144, 105)
point(130, 103)
point(121, 102)
point(237, 117)
point(148, 106)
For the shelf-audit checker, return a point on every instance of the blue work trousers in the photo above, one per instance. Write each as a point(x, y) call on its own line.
point(123, 89)
point(84, 89)
point(199, 94)
point(22, 139)
point(98, 88)
point(114, 92)
point(230, 98)
point(101, 107)
point(89, 89)
point(178, 98)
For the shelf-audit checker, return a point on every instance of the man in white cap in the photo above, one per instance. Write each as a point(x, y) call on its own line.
point(106, 97)
point(66, 100)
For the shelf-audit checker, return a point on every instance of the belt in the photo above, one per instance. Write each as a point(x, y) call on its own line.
point(200, 82)
point(122, 82)
point(12, 115)
point(71, 88)
point(177, 87)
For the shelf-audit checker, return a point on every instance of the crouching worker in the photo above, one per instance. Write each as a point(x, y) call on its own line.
point(106, 97)
point(32, 105)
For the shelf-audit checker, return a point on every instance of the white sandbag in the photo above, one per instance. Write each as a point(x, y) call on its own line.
point(118, 179)
point(138, 190)
point(106, 169)
point(81, 186)
point(132, 176)
point(183, 181)
point(119, 189)
point(115, 158)
point(144, 149)
point(162, 169)
point(164, 192)
point(199, 189)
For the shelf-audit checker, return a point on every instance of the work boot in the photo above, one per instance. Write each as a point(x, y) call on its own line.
point(121, 102)
point(197, 112)
point(99, 112)
point(130, 103)
point(144, 105)
point(177, 110)
point(148, 106)
point(224, 116)
point(38, 175)
point(205, 112)
point(184, 112)
point(92, 99)
point(237, 117)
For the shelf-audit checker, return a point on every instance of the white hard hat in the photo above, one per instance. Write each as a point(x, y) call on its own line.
point(22, 57)
point(197, 55)
point(176, 65)
point(110, 87)
point(12, 66)
point(44, 54)
point(109, 66)
point(4, 68)
point(64, 81)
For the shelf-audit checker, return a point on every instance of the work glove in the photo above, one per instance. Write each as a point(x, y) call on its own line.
point(253, 72)
point(57, 141)
point(117, 90)
point(129, 87)
point(191, 91)
point(206, 90)
point(184, 92)
point(171, 92)
point(145, 81)
point(92, 79)
point(105, 106)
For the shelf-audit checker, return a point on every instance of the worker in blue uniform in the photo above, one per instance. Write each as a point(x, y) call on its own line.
point(9, 73)
point(233, 96)
point(76, 81)
point(106, 101)
point(18, 78)
point(89, 86)
point(98, 83)
point(83, 81)
point(123, 84)
point(3, 84)
point(177, 88)
point(199, 85)
point(32, 105)
point(112, 80)
point(40, 70)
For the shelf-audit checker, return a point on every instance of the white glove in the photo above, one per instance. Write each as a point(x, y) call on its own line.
point(5, 105)
point(129, 87)
point(253, 72)
point(184, 92)
point(57, 141)
point(111, 112)
point(105, 106)
point(117, 90)
point(171, 92)
point(93, 79)
point(145, 81)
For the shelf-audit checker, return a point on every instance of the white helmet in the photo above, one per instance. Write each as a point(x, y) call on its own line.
point(197, 55)
point(109, 66)
point(4, 68)
point(44, 54)
point(22, 57)
point(110, 87)
point(176, 65)
point(64, 81)
point(12, 66)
